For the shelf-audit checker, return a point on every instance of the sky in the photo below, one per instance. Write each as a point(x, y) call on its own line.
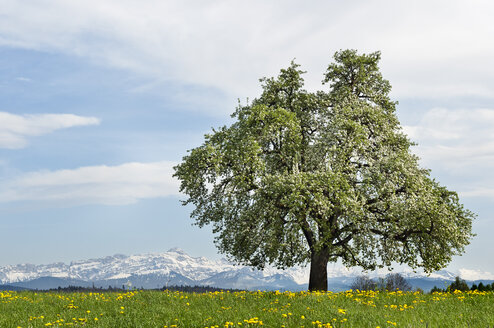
point(100, 99)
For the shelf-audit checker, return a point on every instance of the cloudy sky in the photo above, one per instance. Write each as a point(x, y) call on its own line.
point(99, 99)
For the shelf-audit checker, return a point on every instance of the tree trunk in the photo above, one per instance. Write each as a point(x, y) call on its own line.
point(318, 279)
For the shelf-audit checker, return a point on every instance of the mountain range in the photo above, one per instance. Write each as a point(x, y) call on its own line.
point(175, 268)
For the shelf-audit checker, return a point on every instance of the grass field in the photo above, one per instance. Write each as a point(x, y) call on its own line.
point(246, 309)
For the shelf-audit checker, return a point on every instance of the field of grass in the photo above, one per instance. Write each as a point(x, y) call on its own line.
point(246, 309)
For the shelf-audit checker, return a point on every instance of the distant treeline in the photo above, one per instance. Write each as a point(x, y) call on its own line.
point(461, 285)
point(199, 289)
point(93, 289)
point(182, 288)
point(396, 281)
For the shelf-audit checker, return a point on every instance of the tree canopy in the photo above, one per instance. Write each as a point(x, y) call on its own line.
point(319, 176)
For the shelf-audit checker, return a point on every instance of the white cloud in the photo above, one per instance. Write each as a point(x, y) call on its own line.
point(23, 79)
point(461, 143)
point(111, 185)
point(16, 129)
point(468, 274)
point(430, 48)
point(457, 138)
point(479, 192)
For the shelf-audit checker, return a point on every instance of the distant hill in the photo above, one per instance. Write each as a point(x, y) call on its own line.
point(51, 283)
point(12, 288)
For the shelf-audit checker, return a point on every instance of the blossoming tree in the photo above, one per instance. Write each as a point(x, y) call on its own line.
point(319, 176)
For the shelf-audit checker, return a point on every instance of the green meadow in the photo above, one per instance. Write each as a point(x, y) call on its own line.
point(246, 309)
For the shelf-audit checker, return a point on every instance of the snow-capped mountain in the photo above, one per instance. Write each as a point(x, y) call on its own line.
point(175, 267)
point(119, 267)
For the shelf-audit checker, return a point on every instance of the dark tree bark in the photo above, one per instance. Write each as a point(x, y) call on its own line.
point(318, 279)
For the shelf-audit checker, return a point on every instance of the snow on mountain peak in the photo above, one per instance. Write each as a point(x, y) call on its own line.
point(177, 250)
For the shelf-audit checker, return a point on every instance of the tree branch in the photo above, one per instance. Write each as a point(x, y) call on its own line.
point(308, 233)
